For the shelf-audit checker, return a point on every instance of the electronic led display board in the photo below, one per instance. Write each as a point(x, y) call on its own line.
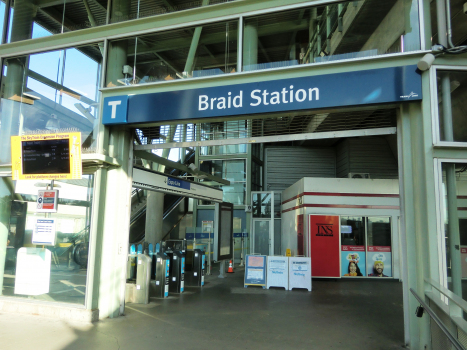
point(46, 156)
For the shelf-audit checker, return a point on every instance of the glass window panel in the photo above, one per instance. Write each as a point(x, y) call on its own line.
point(255, 174)
point(453, 189)
point(219, 150)
point(261, 206)
point(69, 255)
point(277, 205)
point(235, 193)
point(262, 237)
point(352, 230)
point(232, 170)
point(452, 92)
point(379, 231)
point(48, 92)
point(124, 10)
point(30, 19)
point(458, 28)
point(2, 15)
point(277, 237)
point(178, 54)
point(347, 30)
point(235, 129)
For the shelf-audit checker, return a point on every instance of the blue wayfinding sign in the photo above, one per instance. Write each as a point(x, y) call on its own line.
point(385, 85)
point(178, 183)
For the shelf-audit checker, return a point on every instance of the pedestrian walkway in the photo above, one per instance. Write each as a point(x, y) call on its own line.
point(337, 314)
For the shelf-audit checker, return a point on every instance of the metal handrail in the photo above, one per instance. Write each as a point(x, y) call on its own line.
point(449, 294)
point(438, 321)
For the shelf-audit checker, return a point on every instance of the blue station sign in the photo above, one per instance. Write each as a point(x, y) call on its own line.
point(385, 85)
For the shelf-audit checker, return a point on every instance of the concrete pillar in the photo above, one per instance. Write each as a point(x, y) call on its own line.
point(154, 217)
point(115, 227)
point(113, 205)
point(250, 43)
point(418, 227)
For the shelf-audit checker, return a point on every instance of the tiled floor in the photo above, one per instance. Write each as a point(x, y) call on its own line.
point(337, 314)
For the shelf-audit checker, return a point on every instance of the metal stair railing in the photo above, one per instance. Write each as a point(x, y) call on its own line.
point(448, 338)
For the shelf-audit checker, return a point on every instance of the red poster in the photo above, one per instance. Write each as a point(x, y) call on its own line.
point(324, 246)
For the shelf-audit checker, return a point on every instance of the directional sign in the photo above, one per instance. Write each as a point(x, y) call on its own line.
point(154, 181)
point(47, 201)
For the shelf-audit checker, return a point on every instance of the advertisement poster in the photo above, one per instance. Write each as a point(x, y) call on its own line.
point(379, 262)
point(255, 270)
point(324, 245)
point(353, 261)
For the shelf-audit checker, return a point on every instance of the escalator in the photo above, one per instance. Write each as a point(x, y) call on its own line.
point(175, 208)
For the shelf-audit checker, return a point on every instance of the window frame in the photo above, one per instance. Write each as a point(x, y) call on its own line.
point(435, 120)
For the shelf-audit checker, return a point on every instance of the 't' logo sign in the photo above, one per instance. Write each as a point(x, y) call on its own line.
point(113, 105)
point(115, 110)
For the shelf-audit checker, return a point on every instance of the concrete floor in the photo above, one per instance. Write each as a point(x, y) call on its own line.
point(338, 314)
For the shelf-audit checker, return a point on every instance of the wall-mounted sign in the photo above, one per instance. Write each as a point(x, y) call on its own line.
point(385, 85)
point(47, 201)
point(44, 232)
point(207, 226)
point(46, 156)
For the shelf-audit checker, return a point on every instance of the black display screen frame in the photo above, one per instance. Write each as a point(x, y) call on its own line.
point(46, 157)
point(224, 223)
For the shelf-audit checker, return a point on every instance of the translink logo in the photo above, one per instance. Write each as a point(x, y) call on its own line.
point(412, 94)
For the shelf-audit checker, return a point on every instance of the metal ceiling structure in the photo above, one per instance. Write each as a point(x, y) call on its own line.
point(290, 126)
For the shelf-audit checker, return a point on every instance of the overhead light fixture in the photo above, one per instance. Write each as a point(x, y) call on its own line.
point(425, 62)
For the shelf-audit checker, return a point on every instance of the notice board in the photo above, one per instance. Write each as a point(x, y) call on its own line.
point(255, 270)
point(324, 238)
point(278, 272)
point(300, 273)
